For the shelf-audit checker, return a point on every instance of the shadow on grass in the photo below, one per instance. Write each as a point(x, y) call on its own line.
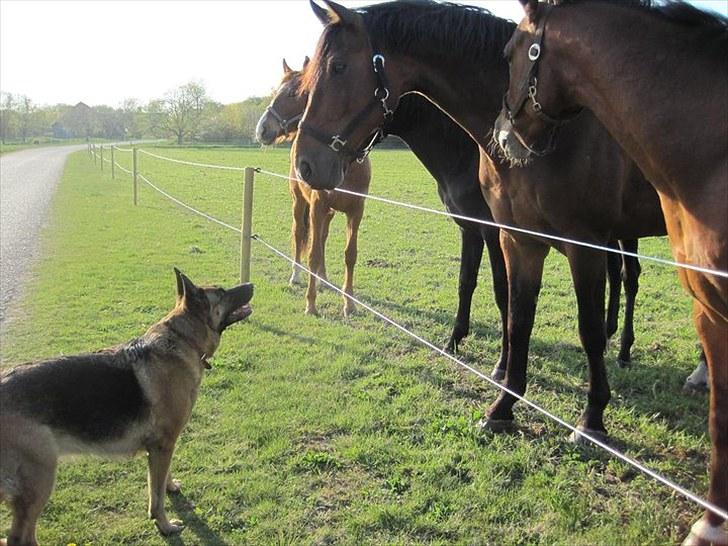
point(193, 524)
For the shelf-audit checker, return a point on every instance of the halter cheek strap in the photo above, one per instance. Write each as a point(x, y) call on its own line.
point(339, 142)
point(529, 91)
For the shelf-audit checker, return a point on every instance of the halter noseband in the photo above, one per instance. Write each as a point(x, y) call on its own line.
point(283, 123)
point(529, 91)
point(338, 142)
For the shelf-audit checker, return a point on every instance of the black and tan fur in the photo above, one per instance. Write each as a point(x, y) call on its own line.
point(118, 401)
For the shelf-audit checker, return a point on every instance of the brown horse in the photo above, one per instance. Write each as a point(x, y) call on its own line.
point(365, 60)
point(313, 210)
point(658, 80)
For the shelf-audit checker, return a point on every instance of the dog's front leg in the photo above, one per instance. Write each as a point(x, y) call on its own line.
point(159, 459)
point(173, 486)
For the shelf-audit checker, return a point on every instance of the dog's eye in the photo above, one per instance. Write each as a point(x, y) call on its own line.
point(338, 67)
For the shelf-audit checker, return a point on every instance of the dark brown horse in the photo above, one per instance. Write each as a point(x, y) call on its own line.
point(658, 80)
point(313, 210)
point(367, 59)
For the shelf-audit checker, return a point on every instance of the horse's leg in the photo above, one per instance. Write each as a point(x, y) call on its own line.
point(326, 223)
point(299, 233)
point(614, 270)
point(524, 260)
point(350, 253)
point(317, 214)
point(500, 288)
point(631, 271)
point(588, 272)
point(712, 330)
point(471, 251)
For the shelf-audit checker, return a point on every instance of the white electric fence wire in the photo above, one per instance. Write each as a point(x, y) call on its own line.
point(129, 150)
point(192, 163)
point(667, 482)
point(717, 273)
point(127, 171)
point(185, 205)
point(686, 493)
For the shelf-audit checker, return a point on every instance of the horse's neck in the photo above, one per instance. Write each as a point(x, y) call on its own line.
point(471, 94)
point(645, 67)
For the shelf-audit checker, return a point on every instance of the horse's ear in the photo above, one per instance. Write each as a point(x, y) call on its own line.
point(531, 8)
point(336, 14)
point(321, 13)
point(306, 60)
point(286, 69)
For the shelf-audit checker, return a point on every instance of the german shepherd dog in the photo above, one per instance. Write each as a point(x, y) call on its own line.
point(117, 401)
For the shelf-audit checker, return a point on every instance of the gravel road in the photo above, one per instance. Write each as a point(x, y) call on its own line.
point(28, 179)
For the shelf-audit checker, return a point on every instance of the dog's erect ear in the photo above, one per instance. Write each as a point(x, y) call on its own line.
point(286, 69)
point(531, 9)
point(335, 13)
point(184, 284)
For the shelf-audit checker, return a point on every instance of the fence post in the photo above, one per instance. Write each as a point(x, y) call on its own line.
point(247, 226)
point(135, 172)
point(101, 149)
point(94, 145)
point(113, 175)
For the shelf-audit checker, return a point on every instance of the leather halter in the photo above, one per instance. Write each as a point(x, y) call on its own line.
point(529, 91)
point(339, 142)
point(283, 123)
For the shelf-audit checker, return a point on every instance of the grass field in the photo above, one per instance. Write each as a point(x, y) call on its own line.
point(331, 431)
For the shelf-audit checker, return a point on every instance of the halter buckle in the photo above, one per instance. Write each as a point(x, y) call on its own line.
point(377, 58)
point(336, 143)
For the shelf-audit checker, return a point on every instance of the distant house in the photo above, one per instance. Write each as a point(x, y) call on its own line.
point(76, 122)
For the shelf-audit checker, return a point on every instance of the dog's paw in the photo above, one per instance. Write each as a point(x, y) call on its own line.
point(174, 486)
point(171, 527)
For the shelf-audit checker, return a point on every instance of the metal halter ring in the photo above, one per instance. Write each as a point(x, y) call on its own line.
point(336, 143)
point(376, 58)
point(386, 94)
point(534, 52)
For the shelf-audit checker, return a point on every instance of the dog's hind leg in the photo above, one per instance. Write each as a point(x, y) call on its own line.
point(159, 459)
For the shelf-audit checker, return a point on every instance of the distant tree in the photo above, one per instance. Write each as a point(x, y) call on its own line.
point(7, 116)
point(25, 109)
point(183, 107)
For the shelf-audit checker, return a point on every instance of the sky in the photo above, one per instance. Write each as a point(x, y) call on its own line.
point(103, 52)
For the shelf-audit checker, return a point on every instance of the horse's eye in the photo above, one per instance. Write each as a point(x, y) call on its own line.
point(338, 67)
point(292, 92)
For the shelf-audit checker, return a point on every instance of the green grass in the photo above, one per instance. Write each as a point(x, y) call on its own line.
point(44, 142)
point(327, 431)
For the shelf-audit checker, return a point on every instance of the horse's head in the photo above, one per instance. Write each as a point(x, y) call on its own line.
point(280, 120)
point(524, 129)
point(350, 98)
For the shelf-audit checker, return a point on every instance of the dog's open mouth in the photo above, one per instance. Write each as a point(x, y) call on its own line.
point(240, 313)
point(236, 315)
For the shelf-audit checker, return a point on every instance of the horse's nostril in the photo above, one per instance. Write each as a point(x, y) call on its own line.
point(305, 170)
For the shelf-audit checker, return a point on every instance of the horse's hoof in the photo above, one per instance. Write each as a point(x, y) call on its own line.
point(697, 382)
point(312, 311)
point(498, 373)
point(171, 527)
point(349, 311)
point(295, 280)
point(174, 486)
point(496, 425)
point(703, 533)
point(624, 362)
point(579, 439)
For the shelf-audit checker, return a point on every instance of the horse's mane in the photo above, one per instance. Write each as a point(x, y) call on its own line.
point(714, 25)
point(437, 29)
point(441, 30)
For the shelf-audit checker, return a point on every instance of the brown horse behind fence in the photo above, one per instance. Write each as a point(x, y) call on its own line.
point(313, 210)
point(659, 83)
